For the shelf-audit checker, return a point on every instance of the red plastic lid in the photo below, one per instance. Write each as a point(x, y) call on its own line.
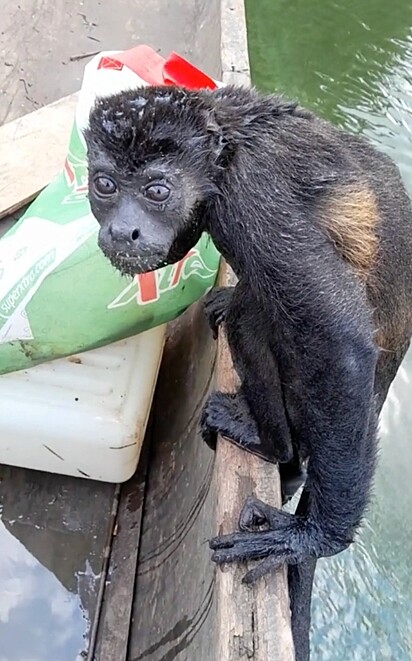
point(178, 71)
point(155, 70)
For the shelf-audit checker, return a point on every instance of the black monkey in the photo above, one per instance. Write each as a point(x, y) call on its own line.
point(317, 227)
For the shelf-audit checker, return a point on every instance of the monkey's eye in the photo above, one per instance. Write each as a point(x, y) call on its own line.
point(104, 186)
point(157, 192)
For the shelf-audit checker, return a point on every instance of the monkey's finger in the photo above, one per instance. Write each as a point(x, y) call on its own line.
point(241, 552)
point(226, 541)
point(224, 556)
point(244, 546)
point(265, 567)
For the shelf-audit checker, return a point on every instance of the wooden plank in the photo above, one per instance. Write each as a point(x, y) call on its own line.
point(253, 623)
point(174, 608)
point(32, 152)
point(112, 631)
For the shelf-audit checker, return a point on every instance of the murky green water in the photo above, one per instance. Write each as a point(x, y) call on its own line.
point(351, 61)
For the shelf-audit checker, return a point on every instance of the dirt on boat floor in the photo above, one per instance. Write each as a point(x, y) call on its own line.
point(42, 42)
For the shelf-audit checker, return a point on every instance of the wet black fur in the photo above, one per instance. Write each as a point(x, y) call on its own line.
point(300, 323)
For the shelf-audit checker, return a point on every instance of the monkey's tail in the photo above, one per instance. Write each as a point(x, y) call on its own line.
point(300, 580)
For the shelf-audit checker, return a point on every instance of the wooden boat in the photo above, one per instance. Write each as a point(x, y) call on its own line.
point(153, 593)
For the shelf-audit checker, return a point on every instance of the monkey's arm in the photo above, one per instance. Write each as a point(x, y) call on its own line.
point(337, 361)
point(215, 305)
point(255, 417)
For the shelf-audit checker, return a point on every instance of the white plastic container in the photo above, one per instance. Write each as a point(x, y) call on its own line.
point(84, 415)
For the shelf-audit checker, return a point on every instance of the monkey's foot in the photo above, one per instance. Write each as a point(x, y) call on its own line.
point(215, 305)
point(228, 415)
point(275, 536)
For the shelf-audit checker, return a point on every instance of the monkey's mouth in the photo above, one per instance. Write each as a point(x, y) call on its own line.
point(134, 264)
point(145, 260)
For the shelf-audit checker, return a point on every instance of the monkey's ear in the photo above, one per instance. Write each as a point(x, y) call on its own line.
point(222, 149)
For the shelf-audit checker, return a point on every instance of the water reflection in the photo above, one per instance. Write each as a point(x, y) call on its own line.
point(352, 61)
point(40, 620)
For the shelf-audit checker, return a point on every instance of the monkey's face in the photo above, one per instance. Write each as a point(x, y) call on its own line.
point(149, 178)
point(147, 219)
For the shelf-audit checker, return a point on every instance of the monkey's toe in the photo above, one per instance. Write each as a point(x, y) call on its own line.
point(246, 546)
point(262, 568)
point(258, 516)
point(266, 533)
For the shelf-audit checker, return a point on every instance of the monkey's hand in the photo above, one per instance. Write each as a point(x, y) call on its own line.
point(215, 305)
point(228, 414)
point(276, 537)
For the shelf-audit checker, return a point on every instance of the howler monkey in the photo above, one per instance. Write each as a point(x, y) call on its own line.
point(317, 227)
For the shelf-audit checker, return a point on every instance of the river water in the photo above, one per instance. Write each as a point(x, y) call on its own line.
point(351, 61)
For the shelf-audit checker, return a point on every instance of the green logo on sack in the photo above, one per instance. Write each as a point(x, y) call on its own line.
point(147, 288)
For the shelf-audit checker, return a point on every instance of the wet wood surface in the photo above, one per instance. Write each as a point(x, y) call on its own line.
point(173, 610)
point(253, 622)
point(112, 626)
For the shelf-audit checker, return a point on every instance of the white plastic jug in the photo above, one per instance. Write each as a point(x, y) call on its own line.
point(84, 415)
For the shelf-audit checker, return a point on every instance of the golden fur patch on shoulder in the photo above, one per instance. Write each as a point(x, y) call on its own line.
point(350, 215)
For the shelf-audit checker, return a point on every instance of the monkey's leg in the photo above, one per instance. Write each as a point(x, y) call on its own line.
point(229, 414)
point(215, 304)
point(301, 576)
point(334, 514)
point(328, 528)
point(341, 432)
point(255, 417)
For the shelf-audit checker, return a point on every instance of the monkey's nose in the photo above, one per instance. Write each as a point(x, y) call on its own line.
point(120, 233)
